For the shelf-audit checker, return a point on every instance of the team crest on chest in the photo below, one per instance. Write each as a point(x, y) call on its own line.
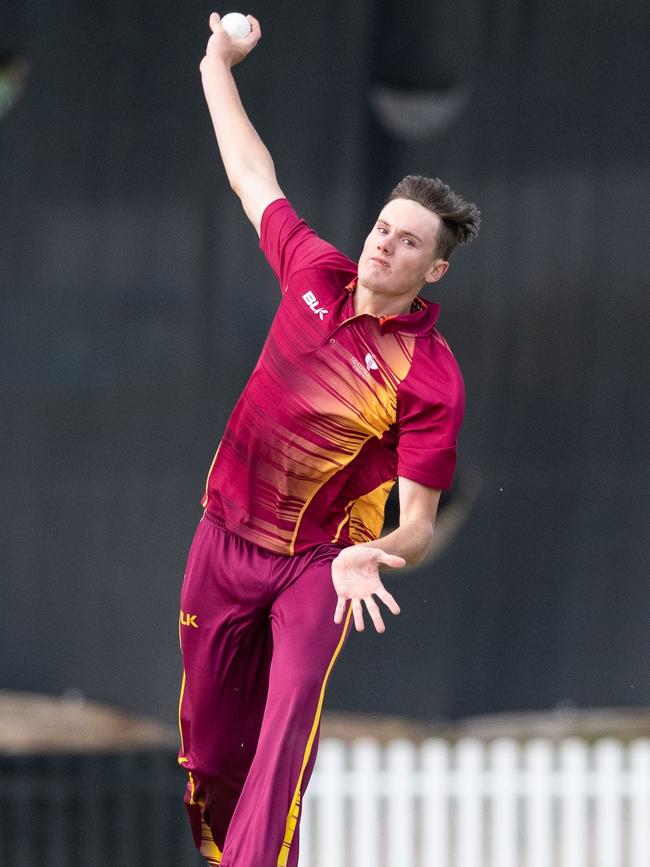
point(371, 364)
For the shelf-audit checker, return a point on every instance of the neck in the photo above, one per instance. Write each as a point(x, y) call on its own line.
point(367, 300)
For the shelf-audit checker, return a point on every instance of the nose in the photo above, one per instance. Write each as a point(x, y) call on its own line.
point(384, 243)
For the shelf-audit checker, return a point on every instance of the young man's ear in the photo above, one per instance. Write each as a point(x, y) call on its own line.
point(437, 271)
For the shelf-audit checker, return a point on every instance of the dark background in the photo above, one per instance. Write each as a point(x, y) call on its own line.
point(135, 303)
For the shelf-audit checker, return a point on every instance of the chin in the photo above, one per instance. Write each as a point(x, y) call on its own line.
point(372, 279)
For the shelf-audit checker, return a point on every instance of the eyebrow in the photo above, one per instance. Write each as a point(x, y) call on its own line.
point(411, 234)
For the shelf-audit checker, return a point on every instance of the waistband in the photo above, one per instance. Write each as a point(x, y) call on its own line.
point(217, 520)
point(316, 550)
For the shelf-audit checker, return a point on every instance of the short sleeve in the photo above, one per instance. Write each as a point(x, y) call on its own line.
point(290, 245)
point(430, 407)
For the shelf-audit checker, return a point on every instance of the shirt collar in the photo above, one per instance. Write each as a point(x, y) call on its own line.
point(420, 322)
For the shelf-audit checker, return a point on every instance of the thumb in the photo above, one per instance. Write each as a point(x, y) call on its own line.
point(392, 560)
point(215, 21)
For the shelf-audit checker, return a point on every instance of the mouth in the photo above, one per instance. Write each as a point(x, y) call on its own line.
point(382, 262)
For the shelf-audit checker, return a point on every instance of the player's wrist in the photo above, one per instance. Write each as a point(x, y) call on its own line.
point(215, 67)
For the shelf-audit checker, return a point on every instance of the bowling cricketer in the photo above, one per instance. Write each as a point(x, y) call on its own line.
point(354, 390)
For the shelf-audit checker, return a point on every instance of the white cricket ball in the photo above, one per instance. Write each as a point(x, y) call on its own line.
point(236, 25)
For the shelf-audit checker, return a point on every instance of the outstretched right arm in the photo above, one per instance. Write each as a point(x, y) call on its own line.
point(247, 162)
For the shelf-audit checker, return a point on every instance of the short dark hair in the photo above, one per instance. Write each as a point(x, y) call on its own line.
point(460, 219)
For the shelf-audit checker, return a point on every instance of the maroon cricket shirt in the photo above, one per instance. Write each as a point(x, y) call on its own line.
point(336, 408)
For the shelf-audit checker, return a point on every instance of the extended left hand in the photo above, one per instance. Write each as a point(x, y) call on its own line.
point(355, 574)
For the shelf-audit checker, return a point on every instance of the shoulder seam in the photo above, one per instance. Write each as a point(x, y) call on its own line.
point(324, 267)
point(447, 349)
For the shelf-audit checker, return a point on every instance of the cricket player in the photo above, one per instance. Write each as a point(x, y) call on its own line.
point(354, 389)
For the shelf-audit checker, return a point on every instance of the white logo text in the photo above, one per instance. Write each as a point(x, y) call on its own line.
point(312, 302)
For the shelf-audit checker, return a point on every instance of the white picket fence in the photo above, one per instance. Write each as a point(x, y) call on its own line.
point(472, 804)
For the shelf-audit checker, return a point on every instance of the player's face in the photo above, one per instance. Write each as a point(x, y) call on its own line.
point(398, 255)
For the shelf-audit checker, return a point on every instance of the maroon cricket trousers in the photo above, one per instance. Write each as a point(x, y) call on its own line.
point(258, 640)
